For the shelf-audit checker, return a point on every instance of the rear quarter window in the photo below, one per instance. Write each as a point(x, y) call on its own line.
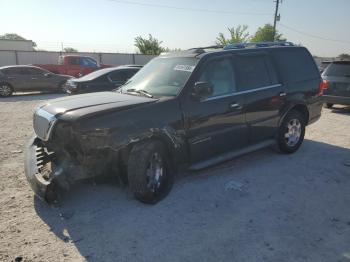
point(295, 64)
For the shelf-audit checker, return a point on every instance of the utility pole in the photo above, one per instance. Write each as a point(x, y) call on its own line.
point(277, 18)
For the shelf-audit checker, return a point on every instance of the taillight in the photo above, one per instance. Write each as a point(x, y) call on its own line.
point(323, 86)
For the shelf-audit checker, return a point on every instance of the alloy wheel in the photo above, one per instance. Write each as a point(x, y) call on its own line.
point(293, 134)
point(5, 90)
point(155, 172)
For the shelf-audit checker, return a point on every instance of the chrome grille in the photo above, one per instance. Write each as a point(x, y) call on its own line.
point(43, 122)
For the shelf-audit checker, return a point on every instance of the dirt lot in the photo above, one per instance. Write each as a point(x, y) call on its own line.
point(260, 207)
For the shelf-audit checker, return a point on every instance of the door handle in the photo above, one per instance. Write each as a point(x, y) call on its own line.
point(235, 106)
point(282, 94)
point(34, 78)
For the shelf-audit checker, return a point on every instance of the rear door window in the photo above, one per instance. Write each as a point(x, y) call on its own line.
point(255, 71)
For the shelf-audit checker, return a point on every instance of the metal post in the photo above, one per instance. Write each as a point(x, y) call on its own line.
point(16, 57)
point(275, 19)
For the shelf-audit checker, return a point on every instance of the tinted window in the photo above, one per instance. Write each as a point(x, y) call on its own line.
point(35, 71)
point(295, 64)
point(338, 69)
point(12, 71)
point(221, 75)
point(117, 76)
point(121, 75)
point(254, 71)
point(130, 73)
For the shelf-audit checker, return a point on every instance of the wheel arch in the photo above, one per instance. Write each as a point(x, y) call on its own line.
point(300, 107)
point(174, 146)
point(8, 83)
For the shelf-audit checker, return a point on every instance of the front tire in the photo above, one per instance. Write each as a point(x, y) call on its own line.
point(291, 132)
point(6, 90)
point(150, 174)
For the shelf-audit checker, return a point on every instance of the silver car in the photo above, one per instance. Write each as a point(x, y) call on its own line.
point(22, 78)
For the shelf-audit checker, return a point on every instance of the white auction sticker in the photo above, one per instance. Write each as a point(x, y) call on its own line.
point(187, 68)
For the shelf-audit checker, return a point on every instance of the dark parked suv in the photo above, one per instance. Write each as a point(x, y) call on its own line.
point(194, 108)
point(337, 74)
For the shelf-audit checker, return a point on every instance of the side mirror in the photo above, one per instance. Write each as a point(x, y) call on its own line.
point(48, 74)
point(202, 90)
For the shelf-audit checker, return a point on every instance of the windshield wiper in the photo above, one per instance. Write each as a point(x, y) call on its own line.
point(140, 91)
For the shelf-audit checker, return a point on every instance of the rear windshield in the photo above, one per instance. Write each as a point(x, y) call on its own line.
point(338, 69)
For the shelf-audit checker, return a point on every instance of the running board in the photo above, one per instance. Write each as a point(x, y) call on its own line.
point(232, 154)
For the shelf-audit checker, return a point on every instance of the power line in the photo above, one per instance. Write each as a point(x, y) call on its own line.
point(314, 36)
point(187, 8)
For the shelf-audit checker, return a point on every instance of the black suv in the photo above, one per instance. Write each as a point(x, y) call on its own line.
point(337, 74)
point(198, 108)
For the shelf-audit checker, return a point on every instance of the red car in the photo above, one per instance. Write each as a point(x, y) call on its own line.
point(74, 65)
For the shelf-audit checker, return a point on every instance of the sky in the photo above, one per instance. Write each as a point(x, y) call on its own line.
point(112, 25)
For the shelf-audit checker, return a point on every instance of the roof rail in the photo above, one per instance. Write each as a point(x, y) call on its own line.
point(258, 44)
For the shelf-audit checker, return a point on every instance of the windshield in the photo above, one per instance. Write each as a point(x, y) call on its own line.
point(162, 76)
point(338, 69)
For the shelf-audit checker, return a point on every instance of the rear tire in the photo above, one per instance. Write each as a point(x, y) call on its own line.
point(150, 174)
point(291, 132)
point(6, 90)
point(329, 105)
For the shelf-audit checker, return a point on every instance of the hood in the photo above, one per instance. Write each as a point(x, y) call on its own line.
point(77, 106)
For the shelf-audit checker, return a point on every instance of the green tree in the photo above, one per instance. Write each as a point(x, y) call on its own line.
point(150, 46)
point(70, 50)
point(344, 56)
point(238, 34)
point(266, 34)
point(12, 36)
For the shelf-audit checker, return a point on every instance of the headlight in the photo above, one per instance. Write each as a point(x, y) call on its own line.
point(43, 123)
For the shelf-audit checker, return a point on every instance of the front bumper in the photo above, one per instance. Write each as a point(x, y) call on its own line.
point(48, 175)
point(36, 181)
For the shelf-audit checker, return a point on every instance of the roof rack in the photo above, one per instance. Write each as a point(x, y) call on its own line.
point(201, 50)
point(257, 45)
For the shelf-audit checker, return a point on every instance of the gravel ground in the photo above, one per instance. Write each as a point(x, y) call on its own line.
point(260, 207)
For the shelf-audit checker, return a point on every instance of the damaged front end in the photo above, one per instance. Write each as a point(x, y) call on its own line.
point(49, 168)
point(43, 174)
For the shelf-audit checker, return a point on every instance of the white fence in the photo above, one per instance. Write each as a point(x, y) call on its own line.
point(44, 57)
